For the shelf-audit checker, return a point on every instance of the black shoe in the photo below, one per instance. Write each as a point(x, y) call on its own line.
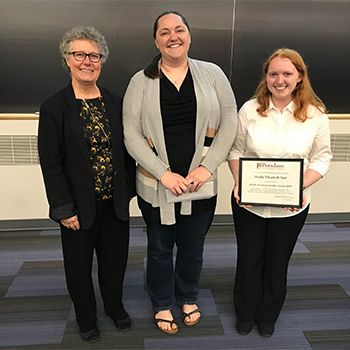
point(92, 336)
point(244, 328)
point(123, 325)
point(266, 330)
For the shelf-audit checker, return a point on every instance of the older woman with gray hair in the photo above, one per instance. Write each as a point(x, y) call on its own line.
point(89, 180)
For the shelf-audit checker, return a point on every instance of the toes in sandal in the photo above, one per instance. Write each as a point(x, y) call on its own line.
point(169, 331)
point(184, 314)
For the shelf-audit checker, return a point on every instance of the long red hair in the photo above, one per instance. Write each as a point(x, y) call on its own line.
point(303, 94)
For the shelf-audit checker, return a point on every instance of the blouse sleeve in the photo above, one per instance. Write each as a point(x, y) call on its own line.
point(320, 154)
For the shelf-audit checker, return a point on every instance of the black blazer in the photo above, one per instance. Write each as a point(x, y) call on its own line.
point(65, 162)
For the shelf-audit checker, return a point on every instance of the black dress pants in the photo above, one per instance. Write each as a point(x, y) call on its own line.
point(264, 247)
point(109, 237)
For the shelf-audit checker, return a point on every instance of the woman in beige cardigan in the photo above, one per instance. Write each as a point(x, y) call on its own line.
point(179, 121)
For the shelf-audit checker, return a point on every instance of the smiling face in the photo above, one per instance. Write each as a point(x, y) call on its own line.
point(172, 38)
point(282, 78)
point(84, 72)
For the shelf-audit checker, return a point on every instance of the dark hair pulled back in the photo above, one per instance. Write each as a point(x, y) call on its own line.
point(152, 71)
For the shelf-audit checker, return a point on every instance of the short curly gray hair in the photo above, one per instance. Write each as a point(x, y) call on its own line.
point(82, 33)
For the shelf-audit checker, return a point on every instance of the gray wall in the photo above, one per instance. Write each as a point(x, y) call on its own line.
point(238, 35)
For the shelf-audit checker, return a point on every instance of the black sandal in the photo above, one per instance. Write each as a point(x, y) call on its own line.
point(184, 314)
point(172, 330)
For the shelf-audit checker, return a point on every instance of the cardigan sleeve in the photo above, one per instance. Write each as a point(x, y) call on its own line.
point(135, 138)
point(227, 129)
point(239, 145)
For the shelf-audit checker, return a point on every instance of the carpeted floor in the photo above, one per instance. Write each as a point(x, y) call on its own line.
point(36, 311)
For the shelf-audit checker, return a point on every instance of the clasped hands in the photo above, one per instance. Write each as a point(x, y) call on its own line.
point(193, 181)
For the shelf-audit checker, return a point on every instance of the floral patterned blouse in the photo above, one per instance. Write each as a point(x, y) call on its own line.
point(99, 138)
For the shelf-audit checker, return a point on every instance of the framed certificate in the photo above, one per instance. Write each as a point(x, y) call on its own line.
point(271, 181)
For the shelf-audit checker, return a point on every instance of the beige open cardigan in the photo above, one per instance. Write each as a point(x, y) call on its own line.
point(143, 129)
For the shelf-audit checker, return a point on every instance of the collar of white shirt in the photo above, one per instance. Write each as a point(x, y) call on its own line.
point(290, 107)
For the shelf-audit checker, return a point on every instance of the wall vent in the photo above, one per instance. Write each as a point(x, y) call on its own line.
point(23, 150)
point(340, 145)
point(18, 150)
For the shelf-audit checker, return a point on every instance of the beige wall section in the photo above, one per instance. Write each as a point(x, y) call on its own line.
point(23, 196)
point(22, 190)
point(332, 193)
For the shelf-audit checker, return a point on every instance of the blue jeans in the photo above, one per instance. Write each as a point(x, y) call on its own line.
point(163, 283)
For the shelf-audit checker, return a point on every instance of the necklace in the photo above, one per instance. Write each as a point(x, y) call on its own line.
point(179, 73)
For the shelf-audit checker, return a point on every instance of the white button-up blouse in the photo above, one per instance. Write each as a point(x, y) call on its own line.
point(280, 135)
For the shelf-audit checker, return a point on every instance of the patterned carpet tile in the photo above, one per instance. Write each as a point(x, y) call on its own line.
point(31, 333)
point(33, 320)
point(319, 273)
point(5, 284)
point(316, 292)
point(34, 304)
point(36, 311)
point(338, 339)
point(325, 251)
point(39, 284)
point(324, 233)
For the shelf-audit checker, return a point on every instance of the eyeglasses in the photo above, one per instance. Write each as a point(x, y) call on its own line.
point(80, 56)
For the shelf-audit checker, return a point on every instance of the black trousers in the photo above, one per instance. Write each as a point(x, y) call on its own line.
point(264, 247)
point(109, 237)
